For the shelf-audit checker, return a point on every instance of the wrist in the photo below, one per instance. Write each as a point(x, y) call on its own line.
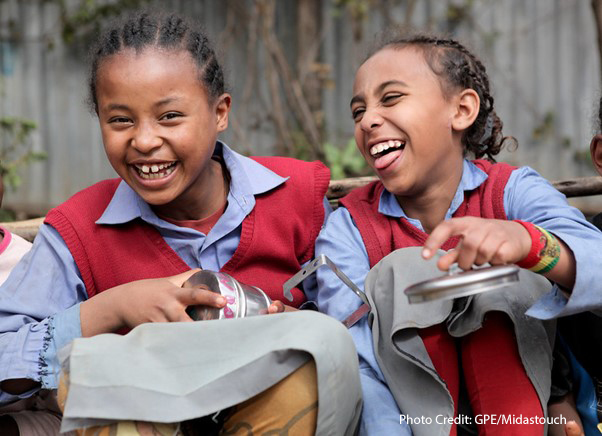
point(544, 252)
point(100, 314)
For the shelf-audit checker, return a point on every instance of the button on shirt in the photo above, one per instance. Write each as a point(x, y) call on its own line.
point(39, 303)
point(528, 197)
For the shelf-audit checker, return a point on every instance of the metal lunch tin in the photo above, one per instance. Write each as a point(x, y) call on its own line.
point(241, 300)
point(462, 284)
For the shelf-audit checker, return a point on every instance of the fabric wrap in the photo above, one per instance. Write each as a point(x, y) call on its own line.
point(400, 352)
point(170, 372)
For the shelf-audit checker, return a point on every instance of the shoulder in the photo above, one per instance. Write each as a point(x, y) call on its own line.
point(98, 191)
point(302, 178)
point(367, 193)
point(288, 166)
point(89, 202)
point(494, 167)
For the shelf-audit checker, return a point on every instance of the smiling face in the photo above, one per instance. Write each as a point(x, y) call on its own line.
point(405, 127)
point(159, 129)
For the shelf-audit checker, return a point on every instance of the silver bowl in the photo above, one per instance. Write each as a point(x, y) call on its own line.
point(241, 300)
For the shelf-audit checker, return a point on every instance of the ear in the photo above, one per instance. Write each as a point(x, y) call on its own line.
point(222, 111)
point(595, 149)
point(467, 104)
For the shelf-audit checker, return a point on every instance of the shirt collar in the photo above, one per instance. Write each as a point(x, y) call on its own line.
point(247, 179)
point(472, 178)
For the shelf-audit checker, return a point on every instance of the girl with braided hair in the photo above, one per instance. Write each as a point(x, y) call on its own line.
point(422, 106)
point(115, 257)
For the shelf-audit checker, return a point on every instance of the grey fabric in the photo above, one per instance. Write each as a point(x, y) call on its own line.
point(178, 371)
point(400, 352)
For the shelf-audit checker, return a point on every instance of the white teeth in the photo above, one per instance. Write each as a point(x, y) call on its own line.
point(385, 145)
point(155, 171)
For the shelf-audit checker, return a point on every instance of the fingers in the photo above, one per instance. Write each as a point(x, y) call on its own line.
point(276, 307)
point(572, 429)
point(437, 238)
point(200, 295)
point(447, 259)
point(481, 241)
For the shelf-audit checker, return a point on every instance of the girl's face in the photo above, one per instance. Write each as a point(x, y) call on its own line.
point(159, 128)
point(404, 125)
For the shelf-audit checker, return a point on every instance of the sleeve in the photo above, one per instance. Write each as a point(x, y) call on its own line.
point(341, 242)
point(530, 197)
point(39, 311)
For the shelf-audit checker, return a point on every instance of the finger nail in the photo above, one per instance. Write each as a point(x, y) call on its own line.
point(426, 253)
point(221, 300)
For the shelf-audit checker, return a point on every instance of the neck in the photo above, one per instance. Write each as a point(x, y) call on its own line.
point(431, 205)
point(201, 203)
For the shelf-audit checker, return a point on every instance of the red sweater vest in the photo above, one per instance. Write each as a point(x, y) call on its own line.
point(382, 234)
point(276, 238)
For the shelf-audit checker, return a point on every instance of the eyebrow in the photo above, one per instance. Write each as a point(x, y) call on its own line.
point(116, 106)
point(166, 100)
point(359, 98)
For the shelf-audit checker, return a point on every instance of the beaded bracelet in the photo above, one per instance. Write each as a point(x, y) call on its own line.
point(545, 249)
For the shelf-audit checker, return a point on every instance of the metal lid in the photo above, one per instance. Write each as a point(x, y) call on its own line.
point(463, 283)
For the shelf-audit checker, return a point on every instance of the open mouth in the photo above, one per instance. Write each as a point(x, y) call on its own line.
point(386, 147)
point(155, 171)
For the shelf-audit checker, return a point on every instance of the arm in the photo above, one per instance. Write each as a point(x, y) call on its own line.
point(39, 313)
point(531, 198)
point(341, 242)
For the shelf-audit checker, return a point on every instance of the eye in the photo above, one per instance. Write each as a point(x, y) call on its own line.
point(356, 113)
point(169, 116)
point(119, 120)
point(391, 97)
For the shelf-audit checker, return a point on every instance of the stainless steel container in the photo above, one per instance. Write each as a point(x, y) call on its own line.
point(241, 300)
point(462, 284)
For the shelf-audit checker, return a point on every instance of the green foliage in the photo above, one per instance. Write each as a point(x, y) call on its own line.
point(15, 148)
point(545, 128)
point(583, 156)
point(344, 162)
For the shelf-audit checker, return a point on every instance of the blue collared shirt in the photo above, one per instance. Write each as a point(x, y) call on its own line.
point(528, 197)
point(39, 302)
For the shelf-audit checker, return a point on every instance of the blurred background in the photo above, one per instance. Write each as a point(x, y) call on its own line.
point(290, 66)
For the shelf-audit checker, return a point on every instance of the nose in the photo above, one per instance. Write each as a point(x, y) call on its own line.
point(146, 138)
point(371, 120)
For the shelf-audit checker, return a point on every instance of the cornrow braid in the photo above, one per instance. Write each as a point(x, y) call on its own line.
point(459, 68)
point(155, 29)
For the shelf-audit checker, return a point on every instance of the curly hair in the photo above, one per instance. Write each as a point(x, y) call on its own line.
point(458, 68)
point(156, 29)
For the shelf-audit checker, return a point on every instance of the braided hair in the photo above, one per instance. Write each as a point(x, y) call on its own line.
point(168, 31)
point(458, 68)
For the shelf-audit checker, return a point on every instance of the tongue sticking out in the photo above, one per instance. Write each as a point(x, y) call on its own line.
point(387, 159)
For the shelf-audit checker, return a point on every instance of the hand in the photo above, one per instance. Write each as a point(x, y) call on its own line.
point(483, 240)
point(142, 301)
point(163, 300)
point(278, 306)
point(571, 428)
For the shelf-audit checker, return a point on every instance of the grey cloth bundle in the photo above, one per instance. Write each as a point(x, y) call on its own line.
point(400, 352)
point(170, 372)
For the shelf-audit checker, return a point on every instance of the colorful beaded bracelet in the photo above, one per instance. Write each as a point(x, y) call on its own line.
point(545, 249)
